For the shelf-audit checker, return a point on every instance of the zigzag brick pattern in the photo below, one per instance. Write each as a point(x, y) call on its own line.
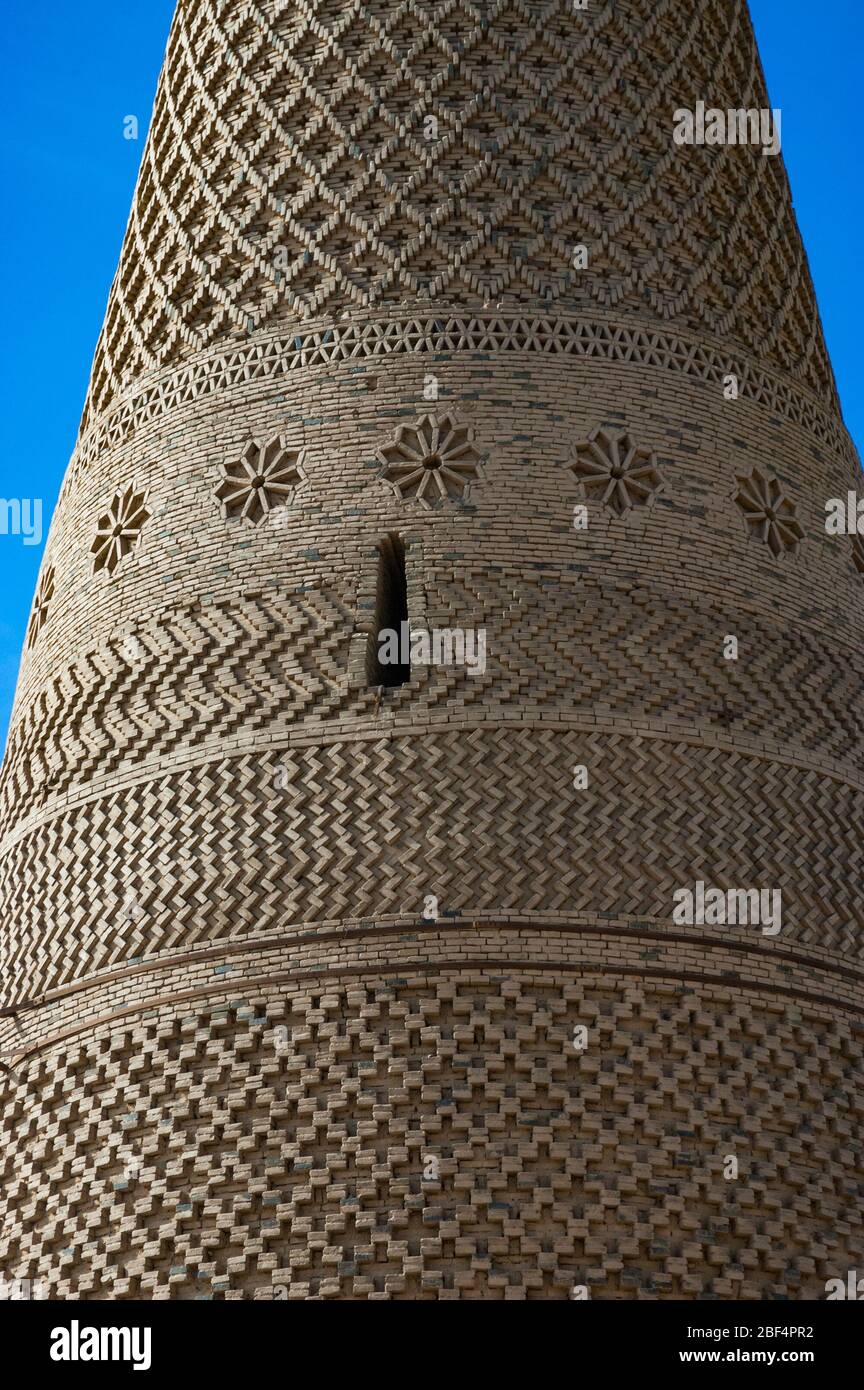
point(224, 834)
point(240, 1057)
point(269, 665)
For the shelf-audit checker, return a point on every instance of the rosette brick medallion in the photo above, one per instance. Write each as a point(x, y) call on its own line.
point(260, 481)
point(768, 512)
point(236, 1032)
point(430, 461)
point(616, 471)
point(118, 530)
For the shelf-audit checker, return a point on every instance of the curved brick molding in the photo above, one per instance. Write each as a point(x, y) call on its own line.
point(421, 311)
point(578, 945)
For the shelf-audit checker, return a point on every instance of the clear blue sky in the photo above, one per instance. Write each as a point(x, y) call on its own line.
point(77, 69)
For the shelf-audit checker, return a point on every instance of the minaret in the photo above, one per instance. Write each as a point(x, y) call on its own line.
point(526, 964)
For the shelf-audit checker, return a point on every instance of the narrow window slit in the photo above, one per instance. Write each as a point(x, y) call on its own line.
point(391, 611)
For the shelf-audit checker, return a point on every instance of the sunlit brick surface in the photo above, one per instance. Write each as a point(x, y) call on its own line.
point(236, 1049)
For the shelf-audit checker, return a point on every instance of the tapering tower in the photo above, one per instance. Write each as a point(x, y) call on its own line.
point(325, 977)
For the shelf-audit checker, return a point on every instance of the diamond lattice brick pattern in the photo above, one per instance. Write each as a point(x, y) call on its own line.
point(331, 160)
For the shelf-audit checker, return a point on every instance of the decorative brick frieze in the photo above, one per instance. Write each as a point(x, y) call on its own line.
point(474, 1069)
point(451, 333)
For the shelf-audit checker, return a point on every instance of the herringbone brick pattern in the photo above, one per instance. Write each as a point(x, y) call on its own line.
point(262, 666)
point(486, 820)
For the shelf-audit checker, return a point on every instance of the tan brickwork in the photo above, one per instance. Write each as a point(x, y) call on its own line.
point(198, 1152)
point(235, 1042)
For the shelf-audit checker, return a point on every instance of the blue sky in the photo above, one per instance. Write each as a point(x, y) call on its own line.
point(80, 69)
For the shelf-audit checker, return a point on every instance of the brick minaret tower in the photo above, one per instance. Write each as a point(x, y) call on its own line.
point(326, 978)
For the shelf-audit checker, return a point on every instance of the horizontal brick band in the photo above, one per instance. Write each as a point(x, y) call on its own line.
point(448, 333)
point(260, 840)
point(424, 969)
point(253, 1124)
point(321, 937)
point(648, 660)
